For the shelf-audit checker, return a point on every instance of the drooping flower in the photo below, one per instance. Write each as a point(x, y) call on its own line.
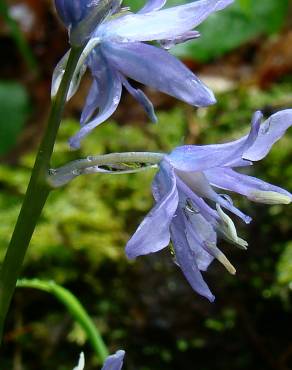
point(113, 362)
point(118, 50)
point(189, 211)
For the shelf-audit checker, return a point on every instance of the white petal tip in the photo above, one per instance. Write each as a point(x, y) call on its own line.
point(269, 197)
point(81, 362)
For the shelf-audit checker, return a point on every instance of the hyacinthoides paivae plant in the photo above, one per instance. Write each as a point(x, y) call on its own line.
point(116, 44)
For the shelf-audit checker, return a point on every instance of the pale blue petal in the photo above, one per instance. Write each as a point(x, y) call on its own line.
point(202, 257)
point(91, 104)
point(270, 132)
point(203, 157)
point(198, 232)
point(153, 234)
point(109, 89)
point(186, 258)
point(159, 25)
point(158, 69)
point(141, 98)
point(152, 6)
point(226, 178)
point(114, 362)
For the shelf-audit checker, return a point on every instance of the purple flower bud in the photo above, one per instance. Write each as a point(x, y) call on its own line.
point(81, 17)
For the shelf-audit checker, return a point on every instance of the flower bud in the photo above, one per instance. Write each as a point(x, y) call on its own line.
point(81, 17)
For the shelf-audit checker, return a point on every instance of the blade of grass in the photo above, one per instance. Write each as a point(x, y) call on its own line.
point(18, 38)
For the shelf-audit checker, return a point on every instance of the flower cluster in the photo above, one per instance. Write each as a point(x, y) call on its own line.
point(189, 211)
point(120, 51)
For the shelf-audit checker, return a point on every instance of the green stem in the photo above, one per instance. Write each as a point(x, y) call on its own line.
point(35, 198)
point(75, 308)
point(62, 175)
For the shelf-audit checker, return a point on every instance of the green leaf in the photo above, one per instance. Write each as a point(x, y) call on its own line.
point(14, 107)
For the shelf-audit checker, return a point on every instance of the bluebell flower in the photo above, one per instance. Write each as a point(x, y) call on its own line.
point(120, 52)
point(189, 211)
point(113, 362)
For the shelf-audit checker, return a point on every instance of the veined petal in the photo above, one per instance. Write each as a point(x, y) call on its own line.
point(186, 258)
point(141, 98)
point(203, 157)
point(158, 69)
point(152, 6)
point(114, 362)
point(108, 97)
point(254, 189)
point(162, 24)
point(270, 132)
point(153, 234)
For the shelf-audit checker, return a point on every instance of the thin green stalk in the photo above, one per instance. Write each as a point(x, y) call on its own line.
point(35, 198)
point(62, 175)
point(76, 309)
point(18, 37)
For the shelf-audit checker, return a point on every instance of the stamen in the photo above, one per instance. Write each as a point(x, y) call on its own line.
point(228, 229)
point(227, 222)
point(216, 253)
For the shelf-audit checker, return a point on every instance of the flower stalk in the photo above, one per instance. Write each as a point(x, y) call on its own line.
point(36, 195)
point(120, 161)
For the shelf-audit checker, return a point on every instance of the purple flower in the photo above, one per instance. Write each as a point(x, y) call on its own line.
point(82, 16)
point(120, 52)
point(189, 211)
point(113, 362)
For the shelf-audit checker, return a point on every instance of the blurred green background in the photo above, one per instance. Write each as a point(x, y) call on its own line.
point(147, 307)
